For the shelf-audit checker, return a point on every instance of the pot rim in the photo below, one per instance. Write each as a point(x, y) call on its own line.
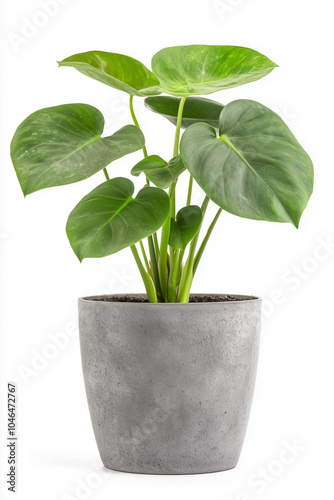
point(242, 298)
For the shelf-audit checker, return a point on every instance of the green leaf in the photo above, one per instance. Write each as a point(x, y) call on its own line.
point(196, 109)
point(255, 169)
point(116, 70)
point(204, 69)
point(109, 219)
point(161, 173)
point(186, 225)
point(63, 144)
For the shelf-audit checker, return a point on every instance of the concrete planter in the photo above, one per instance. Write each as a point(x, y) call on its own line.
point(169, 386)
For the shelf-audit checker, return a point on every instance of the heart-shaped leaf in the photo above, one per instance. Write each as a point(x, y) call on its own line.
point(186, 225)
point(204, 69)
point(109, 219)
point(63, 144)
point(255, 169)
point(158, 171)
point(196, 109)
point(116, 70)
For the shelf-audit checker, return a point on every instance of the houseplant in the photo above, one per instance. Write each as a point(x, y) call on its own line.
point(169, 376)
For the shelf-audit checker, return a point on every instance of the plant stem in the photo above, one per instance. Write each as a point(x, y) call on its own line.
point(163, 259)
point(205, 240)
point(190, 188)
point(175, 153)
point(178, 126)
point(172, 216)
point(154, 264)
point(174, 276)
point(156, 245)
point(145, 257)
point(155, 270)
point(153, 249)
point(106, 174)
point(149, 285)
point(166, 227)
point(163, 268)
point(135, 121)
point(188, 275)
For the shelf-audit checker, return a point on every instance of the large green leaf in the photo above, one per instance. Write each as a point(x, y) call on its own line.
point(196, 109)
point(63, 144)
point(255, 169)
point(204, 69)
point(185, 226)
point(109, 219)
point(158, 171)
point(116, 70)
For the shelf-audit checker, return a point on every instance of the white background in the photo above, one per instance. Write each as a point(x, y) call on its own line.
point(291, 270)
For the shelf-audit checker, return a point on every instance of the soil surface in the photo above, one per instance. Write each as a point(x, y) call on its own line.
point(193, 298)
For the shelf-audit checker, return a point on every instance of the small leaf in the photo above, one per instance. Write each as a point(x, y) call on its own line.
point(186, 225)
point(109, 219)
point(176, 166)
point(196, 109)
point(255, 169)
point(63, 144)
point(116, 70)
point(204, 69)
point(161, 173)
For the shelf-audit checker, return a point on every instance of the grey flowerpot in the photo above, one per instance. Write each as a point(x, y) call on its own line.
point(169, 386)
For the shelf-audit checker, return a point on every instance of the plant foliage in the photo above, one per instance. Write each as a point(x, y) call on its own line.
point(242, 155)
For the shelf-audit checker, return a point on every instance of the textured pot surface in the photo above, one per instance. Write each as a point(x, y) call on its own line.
point(169, 386)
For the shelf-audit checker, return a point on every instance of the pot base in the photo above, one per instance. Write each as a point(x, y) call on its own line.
point(176, 473)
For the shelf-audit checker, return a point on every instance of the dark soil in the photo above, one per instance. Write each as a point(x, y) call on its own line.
point(215, 298)
point(193, 298)
point(118, 298)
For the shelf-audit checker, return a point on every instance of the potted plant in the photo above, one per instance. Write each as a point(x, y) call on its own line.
point(169, 375)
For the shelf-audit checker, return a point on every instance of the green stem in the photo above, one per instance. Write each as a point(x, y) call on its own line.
point(145, 257)
point(153, 248)
point(149, 285)
point(205, 240)
point(172, 216)
point(156, 245)
point(106, 174)
point(163, 259)
point(172, 197)
point(178, 126)
point(175, 153)
point(188, 274)
point(174, 276)
point(155, 270)
point(135, 121)
point(190, 188)
point(163, 267)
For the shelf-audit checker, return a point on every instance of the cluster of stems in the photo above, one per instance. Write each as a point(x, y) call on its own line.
point(166, 277)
